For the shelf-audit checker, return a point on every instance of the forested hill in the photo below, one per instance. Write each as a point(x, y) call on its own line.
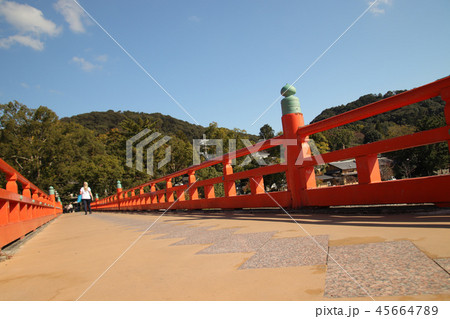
point(405, 116)
point(425, 115)
point(103, 122)
point(91, 147)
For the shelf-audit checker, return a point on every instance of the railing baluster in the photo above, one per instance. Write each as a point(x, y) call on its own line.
point(209, 191)
point(169, 192)
point(193, 191)
point(229, 186)
point(257, 185)
point(368, 169)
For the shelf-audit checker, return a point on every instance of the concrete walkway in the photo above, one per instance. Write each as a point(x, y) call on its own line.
point(233, 256)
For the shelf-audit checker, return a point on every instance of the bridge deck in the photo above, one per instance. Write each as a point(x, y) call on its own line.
point(233, 256)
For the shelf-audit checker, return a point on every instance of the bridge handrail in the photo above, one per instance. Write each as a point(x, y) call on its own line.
point(389, 104)
point(226, 158)
point(23, 213)
point(260, 146)
point(9, 170)
point(302, 189)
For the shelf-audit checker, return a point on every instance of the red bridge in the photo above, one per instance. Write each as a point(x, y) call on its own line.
point(252, 254)
point(302, 190)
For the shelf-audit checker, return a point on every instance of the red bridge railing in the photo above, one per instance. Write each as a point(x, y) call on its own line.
point(302, 190)
point(23, 213)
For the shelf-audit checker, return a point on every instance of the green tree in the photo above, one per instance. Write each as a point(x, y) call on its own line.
point(339, 138)
point(321, 142)
point(266, 132)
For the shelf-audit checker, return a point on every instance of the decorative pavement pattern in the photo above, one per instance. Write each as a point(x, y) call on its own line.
point(208, 237)
point(239, 243)
point(383, 269)
point(166, 228)
point(290, 252)
point(183, 231)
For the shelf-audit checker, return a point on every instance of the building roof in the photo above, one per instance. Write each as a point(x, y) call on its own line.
point(325, 177)
point(344, 165)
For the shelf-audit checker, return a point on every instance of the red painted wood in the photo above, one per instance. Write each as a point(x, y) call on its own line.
point(22, 213)
point(299, 167)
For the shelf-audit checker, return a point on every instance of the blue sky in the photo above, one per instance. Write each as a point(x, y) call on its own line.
point(222, 61)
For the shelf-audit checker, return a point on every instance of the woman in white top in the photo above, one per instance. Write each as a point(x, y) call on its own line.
point(86, 197)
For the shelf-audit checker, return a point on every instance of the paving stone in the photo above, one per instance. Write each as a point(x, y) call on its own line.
point(158, 227)
point(444, 263)
point(383, 269)
point(165, 228)
point(239, 243)
point(290, 252)
point(184, 231)
point(207, 237)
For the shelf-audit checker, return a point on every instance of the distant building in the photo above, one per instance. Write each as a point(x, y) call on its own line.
point(345, 172)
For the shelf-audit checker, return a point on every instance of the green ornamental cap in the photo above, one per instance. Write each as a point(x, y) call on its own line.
point(51, 190)
point(288, 90)
point(119, 185)
point(290, 104)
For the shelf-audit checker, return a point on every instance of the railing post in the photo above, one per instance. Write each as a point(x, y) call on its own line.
point(307, 174)
point(292, 119)
point(153, 198)
point(209, 191)
point(35, 198)
point(169, 193)
point(141, 199)
point(119, 194)
point(229, 186)
point(124, 199)
point(26, 190)
point(257, 185)
point(51, 192)
point(368, 169)
point(27, 193)
point(193, 191)
point(445, 95)
point(11, 185)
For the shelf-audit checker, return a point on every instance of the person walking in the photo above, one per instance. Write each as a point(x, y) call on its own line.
point(86, 197)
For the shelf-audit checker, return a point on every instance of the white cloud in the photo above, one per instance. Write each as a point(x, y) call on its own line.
point(26, 40)
point(25, 85)
point(378, 7)
point(56, 92)
point(194, 19)
point(73, 14)
point(84, 64)
point(30, 24)
point(26, 18)
point(102, 58)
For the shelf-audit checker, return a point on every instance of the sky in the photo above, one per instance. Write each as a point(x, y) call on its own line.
point(206, 61)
